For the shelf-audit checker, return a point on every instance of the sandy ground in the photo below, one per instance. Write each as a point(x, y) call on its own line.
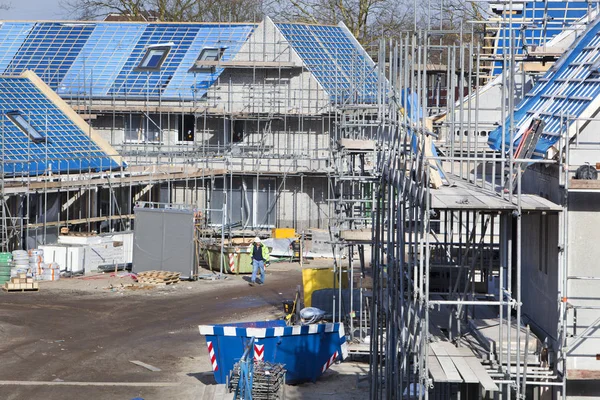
point(84, 332)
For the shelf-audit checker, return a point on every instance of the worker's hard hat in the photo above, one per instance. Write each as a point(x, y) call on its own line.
point(257, 240)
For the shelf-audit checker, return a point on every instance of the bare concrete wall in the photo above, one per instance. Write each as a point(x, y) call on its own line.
point(285, 86)
point(303, 204)
point(583, 261)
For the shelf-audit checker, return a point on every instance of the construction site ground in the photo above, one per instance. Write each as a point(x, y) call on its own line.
point(75, 338)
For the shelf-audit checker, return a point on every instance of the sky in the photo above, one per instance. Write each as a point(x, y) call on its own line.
point(32, 10)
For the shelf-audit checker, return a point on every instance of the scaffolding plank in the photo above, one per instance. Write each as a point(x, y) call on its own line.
point(451, 349)
point(357, 144)
point(465, 371)
point(436, 371)
point(484, 378)
point(532, 202)
point(357, 235)
point(446, 362)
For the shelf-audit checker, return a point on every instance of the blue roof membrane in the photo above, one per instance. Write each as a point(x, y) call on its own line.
point(12, 36)
point(566, 90)
point(67, 147)
point(133, 83)
point(228, 37)
point(101, 58)
point(49, 50)
point(174, 80)
point(338, 62)
point(544, 20)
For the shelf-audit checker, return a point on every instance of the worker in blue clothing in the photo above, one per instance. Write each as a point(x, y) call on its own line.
point(260, 259)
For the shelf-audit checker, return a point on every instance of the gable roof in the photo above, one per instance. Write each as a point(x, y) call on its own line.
point(334, 56)
point(102, 59)
point(69, 145)
point(570, 89)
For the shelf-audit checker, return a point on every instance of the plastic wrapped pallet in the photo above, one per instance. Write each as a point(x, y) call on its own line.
point(15, 271)
point(36, 255)
point(20, 259)
point(36, 259)
point(20, 263)
point(51, 272)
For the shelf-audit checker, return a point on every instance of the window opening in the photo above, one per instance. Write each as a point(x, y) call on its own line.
point(208, 54)
point(154, 58)
point(187, 128)
point(19, 120)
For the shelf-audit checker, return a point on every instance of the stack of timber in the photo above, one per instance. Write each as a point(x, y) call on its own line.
point(267, 380)
point(158, 277)
point(21, 283)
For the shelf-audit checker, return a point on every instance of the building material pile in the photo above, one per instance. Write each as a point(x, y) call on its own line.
point(158, 277)
point(267, 380)
point(21, 283)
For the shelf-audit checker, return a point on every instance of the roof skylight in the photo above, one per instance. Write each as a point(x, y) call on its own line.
point(154, 58)
point(19, 120)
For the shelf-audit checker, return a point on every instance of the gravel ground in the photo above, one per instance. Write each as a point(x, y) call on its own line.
point(88, 329)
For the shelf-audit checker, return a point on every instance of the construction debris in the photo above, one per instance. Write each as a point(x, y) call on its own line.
point(158, 277)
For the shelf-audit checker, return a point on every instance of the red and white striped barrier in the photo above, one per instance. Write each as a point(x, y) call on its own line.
point(232, 259)
point(231, 262)
point(259, 352)
point(213, 357)
point(329, 362)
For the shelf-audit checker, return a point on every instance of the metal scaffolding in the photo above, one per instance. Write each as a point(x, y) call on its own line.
point(446, 266)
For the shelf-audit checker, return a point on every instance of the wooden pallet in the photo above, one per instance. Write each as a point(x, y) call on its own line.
point(158, 277)
point(157, 282)
point(20, 290)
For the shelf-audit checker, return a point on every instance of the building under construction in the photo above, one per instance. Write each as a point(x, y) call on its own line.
point(453, 177)
point(234, 119)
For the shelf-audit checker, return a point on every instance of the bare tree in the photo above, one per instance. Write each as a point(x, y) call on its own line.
point(364, 18)
point(93, 9)
point(168, 10)
point(369, 20)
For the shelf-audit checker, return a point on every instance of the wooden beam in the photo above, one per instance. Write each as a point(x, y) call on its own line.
point(584, 184)
point(247, 64)
point(69, 112)
point(79, 221)
point(141, 179)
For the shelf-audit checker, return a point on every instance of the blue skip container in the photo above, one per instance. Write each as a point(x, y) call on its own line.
point(307, 351)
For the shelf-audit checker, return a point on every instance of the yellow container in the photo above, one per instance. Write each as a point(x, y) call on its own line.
point(320, 278)
point(283, 233)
